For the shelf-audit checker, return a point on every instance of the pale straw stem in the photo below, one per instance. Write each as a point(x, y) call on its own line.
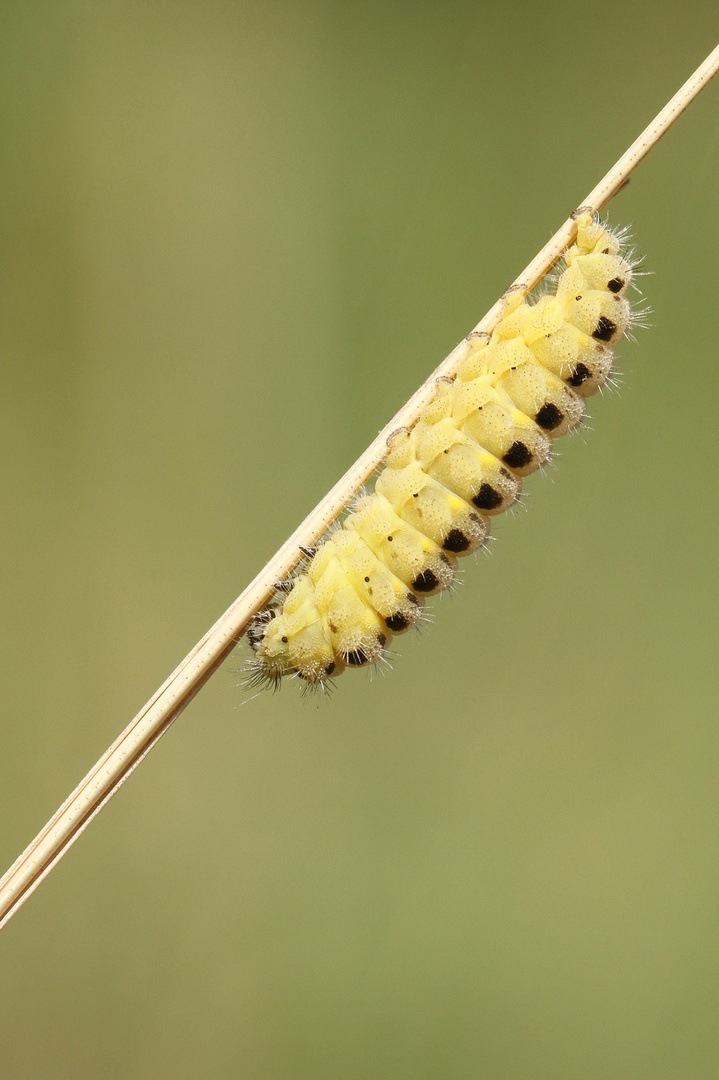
point(155, 717)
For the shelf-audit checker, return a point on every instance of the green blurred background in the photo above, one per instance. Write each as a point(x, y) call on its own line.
point(235, 237)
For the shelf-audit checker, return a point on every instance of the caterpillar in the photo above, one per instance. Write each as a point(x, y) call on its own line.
point(463, 462)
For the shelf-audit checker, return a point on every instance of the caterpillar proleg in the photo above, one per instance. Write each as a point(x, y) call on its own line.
point(461, 463)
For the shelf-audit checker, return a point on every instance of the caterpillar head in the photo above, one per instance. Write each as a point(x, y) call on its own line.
point(283, 649)
point(293, 640)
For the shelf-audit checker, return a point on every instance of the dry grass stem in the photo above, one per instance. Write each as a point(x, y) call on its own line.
point(155, 717)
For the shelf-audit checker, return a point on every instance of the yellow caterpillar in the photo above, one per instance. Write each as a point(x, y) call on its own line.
point(516, 391)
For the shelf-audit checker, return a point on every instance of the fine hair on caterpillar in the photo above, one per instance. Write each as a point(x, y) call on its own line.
point(489, 425)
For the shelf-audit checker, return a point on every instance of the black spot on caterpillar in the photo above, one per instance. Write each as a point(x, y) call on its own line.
point(549, 416)
point(487, 498)
point(518, 455)
point(515, 391)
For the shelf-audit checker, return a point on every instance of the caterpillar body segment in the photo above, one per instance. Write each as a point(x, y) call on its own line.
point(462, 462)
point(453, 524)
point(414, 558)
